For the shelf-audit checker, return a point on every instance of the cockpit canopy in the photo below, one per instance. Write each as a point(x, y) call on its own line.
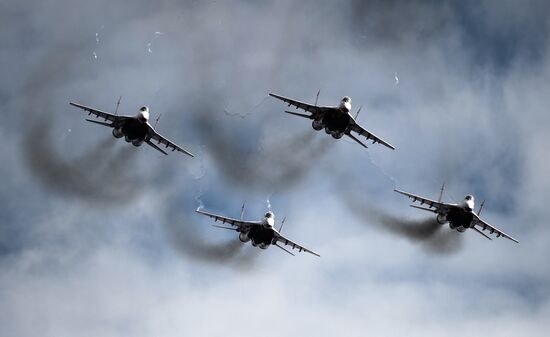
point(346, 99)
point(143, 108)
point(269, 215)
point(469, 197)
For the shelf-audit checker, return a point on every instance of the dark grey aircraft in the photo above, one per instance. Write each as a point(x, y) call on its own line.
point(261, 233)
point(135, 129)
point(336, 120)
point(459, 216)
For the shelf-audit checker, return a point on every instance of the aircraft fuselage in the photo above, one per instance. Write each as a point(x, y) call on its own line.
point(460, 219)
point(133, 129)
point(335, 120)
point(261, 235)
point(461, 216)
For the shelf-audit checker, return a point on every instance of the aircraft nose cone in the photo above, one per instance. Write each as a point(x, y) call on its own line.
point(346, 107)
point(143, 116)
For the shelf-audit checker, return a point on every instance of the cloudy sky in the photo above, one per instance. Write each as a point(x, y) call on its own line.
point(98, 238)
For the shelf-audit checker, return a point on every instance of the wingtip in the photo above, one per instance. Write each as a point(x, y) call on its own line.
point(388, 145)
point(400, 192)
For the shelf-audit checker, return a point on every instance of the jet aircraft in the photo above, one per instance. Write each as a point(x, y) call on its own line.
point(260, 233)
point(135, 129)
point(336, 120)
point(459, 216)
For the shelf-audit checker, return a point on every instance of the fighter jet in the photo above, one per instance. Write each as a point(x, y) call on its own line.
point(261, 233)
point(336, 120)
point(459, 216)
point(135, 129)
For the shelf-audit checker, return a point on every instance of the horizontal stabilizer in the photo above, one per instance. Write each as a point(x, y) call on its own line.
point(424, 208)
point(357, 140)
point(222, 227)
point(480, 232)
point(100, 123)
point(187, 152)
point(299, 114)
point(155, 146)
point(286, 250)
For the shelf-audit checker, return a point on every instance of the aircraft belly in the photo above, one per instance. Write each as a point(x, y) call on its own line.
point(459, 218)
point(135, 130)
point(336, 121)
point(260, 235)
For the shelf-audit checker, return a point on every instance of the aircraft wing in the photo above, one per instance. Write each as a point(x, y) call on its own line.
point(369, 135)
point(477, 221)
point(159, 139)
point(315, 110)
point(238, 224)
point(287, 242)
point(434, 206)
point(98, 113)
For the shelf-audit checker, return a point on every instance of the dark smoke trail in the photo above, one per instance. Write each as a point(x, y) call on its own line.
point(184, 235)
point(274, 164)
point(100, 175)
point(427, 232)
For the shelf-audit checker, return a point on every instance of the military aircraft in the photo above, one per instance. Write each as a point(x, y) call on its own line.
point(261, 233)
point(135, 129)
point(459, 216)
point(336, 120)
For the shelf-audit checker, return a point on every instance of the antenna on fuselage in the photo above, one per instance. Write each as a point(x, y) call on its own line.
point(282, 223)
point(157, 119)
point(317, 98)
point(441, 192)
point(117, 104)
point(481, 207)
point(242, 211)
point(358, 111)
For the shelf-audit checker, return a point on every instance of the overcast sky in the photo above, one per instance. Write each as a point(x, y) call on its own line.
point(98, 238)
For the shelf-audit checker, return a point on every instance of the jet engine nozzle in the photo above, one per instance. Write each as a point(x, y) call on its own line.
point(117, 133)
point(243, 237)
point(441, 219)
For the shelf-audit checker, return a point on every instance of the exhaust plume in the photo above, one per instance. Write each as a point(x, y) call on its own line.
point(184, 234)
point(101, 175)
point(427, 232)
